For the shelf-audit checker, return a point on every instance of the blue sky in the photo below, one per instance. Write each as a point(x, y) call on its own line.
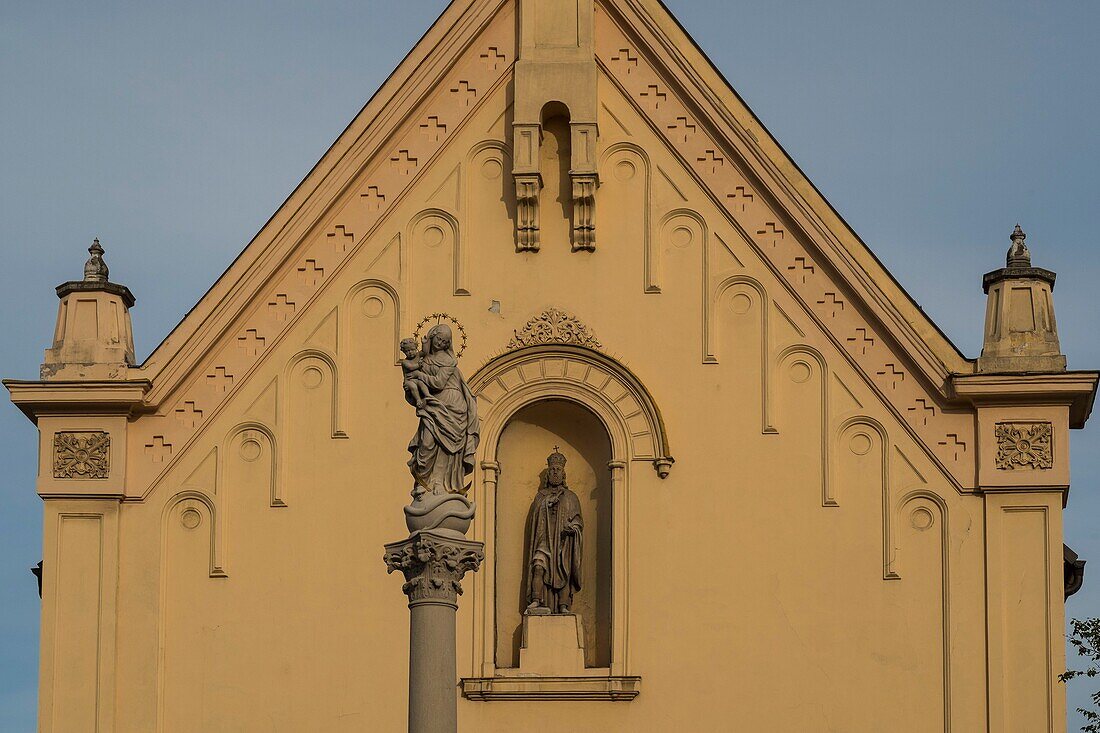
point(172, 131)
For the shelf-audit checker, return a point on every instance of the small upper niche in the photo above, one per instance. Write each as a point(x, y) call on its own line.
point(555, 159)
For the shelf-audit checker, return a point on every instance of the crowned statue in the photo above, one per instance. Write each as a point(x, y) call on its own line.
point(554, 573)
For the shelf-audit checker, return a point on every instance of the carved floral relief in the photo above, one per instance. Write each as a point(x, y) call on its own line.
point(81, 454)
point(554, 326)
point(1024, 445)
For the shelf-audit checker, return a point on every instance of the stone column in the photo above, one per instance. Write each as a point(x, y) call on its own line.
point(620, 504)
point(484, 599)
point(433, 563)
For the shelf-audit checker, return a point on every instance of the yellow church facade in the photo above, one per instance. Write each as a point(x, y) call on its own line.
point(803, 508)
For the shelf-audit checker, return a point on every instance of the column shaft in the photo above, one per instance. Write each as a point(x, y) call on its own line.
point(433, 703)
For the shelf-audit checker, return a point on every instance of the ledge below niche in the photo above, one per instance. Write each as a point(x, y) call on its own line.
point(490, 689)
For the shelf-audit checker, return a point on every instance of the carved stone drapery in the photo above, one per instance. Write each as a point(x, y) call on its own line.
point(1024, 445)
point(434, 564)
point(81, 455)
point(554, 326)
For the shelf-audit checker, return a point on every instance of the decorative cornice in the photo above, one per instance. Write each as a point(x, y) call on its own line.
point(619, 688)
point(554, 326)
point(1075, 389)
point(92, 286)
point(1018, 273)
point(99, 397)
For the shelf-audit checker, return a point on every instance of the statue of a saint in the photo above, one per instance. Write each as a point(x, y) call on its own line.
point(554, 574)
point(442, 451)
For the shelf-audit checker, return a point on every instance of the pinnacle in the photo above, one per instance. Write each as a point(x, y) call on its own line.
point(1018, 254)
point(95, 269)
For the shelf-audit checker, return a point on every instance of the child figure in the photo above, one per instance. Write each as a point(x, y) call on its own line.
point(415, 390)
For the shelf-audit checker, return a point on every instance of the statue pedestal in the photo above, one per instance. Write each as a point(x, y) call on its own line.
point(553, 645)
point(551, 667)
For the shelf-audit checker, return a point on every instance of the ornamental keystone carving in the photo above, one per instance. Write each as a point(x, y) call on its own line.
point(554, 326)
point(81, 454)
point(1024, 445)
point(434, 564)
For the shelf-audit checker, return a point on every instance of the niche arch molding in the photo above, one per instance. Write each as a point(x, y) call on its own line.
point(601, 385)
point(522, 377)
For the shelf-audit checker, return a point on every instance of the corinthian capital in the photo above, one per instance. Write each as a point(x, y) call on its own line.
point(434, 564)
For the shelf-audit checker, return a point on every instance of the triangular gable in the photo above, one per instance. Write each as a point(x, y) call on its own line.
point(642, 50)
point(674, 55)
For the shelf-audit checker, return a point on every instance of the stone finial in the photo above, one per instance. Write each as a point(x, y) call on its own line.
point(1019, 256)
point(95, 269)
point(1021, 334)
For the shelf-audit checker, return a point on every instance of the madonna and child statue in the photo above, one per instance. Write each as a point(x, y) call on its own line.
point(441, 453)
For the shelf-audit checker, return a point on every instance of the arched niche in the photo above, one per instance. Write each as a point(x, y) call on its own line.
point(576, 381)
point(529, 437)
point(555, 158)
point(592, 379)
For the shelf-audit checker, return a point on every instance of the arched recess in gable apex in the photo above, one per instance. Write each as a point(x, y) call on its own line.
point(372, 296)
point(802, 359)
point(925, 509)
point(623, 151)
point(326, 364)
point(757, 296)
point(420, 229)
point(192, 507)
point(668, 230)
point(488, 184)
point(861, 432)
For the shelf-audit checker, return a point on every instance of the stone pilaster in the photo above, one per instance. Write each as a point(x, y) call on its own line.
point(82, 404)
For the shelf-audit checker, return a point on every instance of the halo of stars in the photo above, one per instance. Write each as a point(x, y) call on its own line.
point(439, 318)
